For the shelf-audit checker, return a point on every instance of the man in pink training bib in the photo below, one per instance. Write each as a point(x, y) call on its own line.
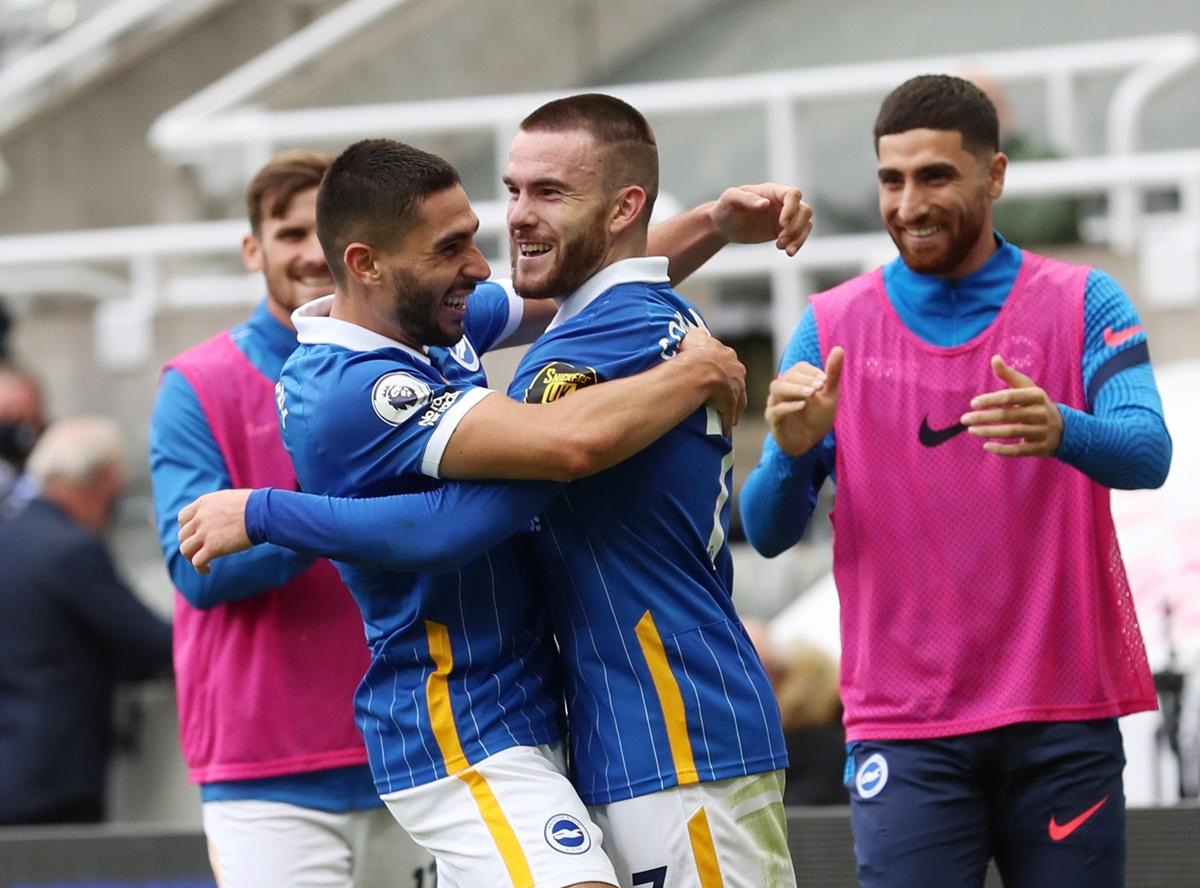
point(975, 403)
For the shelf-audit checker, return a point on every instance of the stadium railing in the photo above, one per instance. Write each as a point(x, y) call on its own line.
point(132, 272)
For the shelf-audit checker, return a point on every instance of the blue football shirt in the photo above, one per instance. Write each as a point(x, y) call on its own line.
point(462, 664)
point(663, 685)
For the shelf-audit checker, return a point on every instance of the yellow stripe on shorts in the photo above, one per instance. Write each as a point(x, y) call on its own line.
point(670, 700)
point(437, 698)
point(704, 851)
point(500, 829)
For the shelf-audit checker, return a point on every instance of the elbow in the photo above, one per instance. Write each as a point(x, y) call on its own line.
point(764, 542)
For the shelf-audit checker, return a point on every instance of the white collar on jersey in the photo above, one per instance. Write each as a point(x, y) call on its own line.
point(314, 326)
point(640, 269)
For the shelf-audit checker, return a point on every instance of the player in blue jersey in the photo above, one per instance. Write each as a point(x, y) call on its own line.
point(453, 706)
point(321, 816)
point(676, 743)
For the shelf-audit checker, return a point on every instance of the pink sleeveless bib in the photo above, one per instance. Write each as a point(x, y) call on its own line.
point(976, 590)
point(265, 685)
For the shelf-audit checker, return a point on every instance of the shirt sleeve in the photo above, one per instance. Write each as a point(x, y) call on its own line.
point(780, 494)
point(494, 313)
point(439, 529)
point(1120, 439)
point(137, 642)
point(186, 463)
point(370, 421)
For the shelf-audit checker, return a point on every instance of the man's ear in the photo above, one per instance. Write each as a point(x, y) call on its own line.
point(997, 167)
point(252, 252)
point(359, 259)
point(627, 208)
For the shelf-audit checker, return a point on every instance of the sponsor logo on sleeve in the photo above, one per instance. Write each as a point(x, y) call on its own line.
point(438, 407)
point(558, 379)
point(397, 397)
point(872, 776)
point(566, 834)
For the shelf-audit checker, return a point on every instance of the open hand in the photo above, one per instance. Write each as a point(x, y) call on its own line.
point(802, 403)
point(1022, 410)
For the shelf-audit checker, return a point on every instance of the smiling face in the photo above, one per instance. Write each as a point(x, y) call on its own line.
point(287, 252)
point(558, 212)
point(425, 281)
point(936, 198)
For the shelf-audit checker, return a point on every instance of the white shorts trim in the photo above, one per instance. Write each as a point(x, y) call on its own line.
point(725, 834)
point(513, 819)
point(256, 844)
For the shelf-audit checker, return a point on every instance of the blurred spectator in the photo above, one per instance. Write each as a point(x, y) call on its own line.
point(69, 630)
point(1033, 221)
point(22, 420)
point(806, 687)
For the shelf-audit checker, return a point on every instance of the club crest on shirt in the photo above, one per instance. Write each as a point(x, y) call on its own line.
point(464, 353)
point(557, 379)
point(397, 397)
point(567, 834)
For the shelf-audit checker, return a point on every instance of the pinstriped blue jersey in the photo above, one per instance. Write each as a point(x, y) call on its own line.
point(462, 665)
point(663, 686)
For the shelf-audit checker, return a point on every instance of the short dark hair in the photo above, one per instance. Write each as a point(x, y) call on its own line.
point(631, 155)
point(941, 102)
point(373, 193)
point(284, 176)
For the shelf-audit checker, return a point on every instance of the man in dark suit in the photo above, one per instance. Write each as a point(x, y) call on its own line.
point(69, 630)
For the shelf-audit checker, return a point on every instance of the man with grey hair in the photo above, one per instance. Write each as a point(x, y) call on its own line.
point(70, 628)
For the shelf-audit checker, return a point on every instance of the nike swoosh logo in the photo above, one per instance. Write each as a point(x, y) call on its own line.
point(1058, 833)
point(1112, 340)
point(931, 437)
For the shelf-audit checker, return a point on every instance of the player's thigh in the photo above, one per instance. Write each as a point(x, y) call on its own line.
point(385, 856)
point(1059, 817)
point(919, 813)
point(730, 833)
point(255, 844)
point(512, 819)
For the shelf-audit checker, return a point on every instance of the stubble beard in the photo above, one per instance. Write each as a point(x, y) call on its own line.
point(580, 259)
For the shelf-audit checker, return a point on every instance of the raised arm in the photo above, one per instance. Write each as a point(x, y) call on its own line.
point(749, 214)
point(598, 426)
point(778, 498)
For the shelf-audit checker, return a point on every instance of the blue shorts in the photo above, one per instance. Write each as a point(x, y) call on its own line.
point(1045, 799)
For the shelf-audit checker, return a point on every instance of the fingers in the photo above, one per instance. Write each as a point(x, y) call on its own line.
point(795, 231)
point(1015, 397)
point(1023, 449)
point(1010, 376)
point(1025, 432)
point(1032, 415)
point(776, 412)
point(186, 513)
point(833, 370)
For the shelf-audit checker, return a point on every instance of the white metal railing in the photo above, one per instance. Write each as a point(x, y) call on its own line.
point(205, 127)
point(142, 282)
point(198, 129)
